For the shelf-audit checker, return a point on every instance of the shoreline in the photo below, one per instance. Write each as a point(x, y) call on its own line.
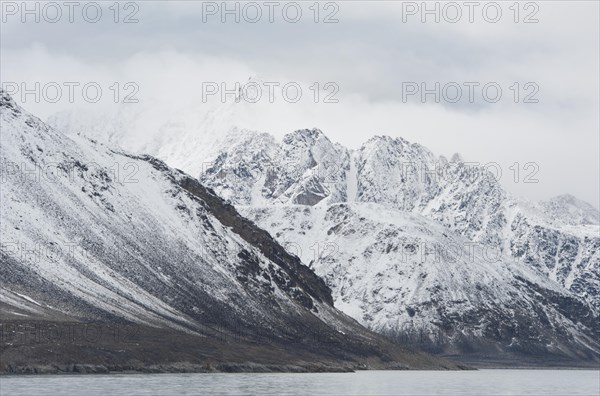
point(189, 368)
point(77, 369)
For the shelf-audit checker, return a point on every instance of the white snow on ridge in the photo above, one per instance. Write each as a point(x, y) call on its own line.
point(31, 300)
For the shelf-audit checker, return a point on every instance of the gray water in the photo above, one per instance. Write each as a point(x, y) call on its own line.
point(483, 382)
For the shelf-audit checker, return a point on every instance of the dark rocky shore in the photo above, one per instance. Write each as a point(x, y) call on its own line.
point(101, 348)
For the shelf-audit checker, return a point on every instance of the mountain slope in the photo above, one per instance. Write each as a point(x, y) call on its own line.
point(352, 215)
point(90, 234)
point(406, 276)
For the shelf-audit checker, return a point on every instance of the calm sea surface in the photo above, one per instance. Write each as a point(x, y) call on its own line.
point(483, 382)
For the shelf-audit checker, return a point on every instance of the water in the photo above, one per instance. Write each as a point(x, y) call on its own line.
point(484, 382)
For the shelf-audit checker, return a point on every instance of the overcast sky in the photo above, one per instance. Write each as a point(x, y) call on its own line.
point(374, 53)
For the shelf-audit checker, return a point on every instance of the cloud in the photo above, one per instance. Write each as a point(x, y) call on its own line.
point(369, 54)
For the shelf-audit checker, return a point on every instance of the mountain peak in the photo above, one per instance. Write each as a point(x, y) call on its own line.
point(571, 210)
point(567, 198)
point(456, 157)
point(387, 141)
point(305, 135)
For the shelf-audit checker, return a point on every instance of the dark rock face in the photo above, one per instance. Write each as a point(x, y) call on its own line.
point(311, 194)
point(227, 215)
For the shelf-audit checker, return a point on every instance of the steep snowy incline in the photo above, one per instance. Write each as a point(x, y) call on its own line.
point(137, 212)
point(404, 275)
point(93, 234)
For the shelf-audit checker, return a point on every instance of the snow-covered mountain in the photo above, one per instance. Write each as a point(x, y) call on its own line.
point(405, 275)
point(290, 186)
point(95, 234)
point(353, 214)
point(560, 238)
